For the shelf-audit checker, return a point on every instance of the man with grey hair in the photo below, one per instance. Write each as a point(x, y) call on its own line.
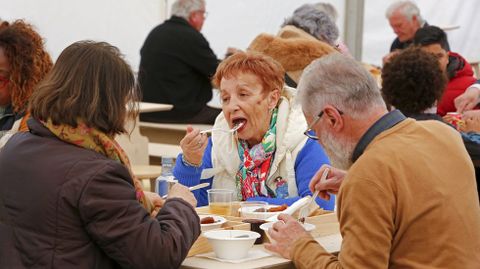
point(176, 66)
point(405, 19)
point(402, 204)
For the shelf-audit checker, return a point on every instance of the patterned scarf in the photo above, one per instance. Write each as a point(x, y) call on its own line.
point(255, 163)
point(93, 139)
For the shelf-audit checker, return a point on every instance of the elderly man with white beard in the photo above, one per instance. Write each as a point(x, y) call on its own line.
point(401, 204)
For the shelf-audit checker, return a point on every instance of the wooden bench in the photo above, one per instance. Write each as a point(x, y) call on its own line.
point(163, 150)
point(167, 133)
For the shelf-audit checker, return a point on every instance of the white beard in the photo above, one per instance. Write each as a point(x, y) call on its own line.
point(338, 150)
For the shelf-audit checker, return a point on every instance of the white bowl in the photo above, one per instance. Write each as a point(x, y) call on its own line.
point(231, 244)
point(307, 226)
point(249, 212)
point(219, 221)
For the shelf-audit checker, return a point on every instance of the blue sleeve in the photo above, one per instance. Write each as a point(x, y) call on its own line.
point(310, 158)
point(190, 176)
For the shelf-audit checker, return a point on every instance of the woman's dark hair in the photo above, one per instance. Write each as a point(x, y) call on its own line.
point(29, 61)
point(91, 82)
point(412, 81)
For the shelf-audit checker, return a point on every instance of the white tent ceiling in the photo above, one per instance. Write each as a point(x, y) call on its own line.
point(125, 23)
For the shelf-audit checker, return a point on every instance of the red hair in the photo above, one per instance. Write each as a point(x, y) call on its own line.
point(28, 60)
point(269, 71)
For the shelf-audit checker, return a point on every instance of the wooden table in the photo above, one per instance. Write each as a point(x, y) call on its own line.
point(154, 107)
point(327, 233)
point(146, 171)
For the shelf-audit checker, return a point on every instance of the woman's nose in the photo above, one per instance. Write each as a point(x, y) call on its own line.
point(232, 104)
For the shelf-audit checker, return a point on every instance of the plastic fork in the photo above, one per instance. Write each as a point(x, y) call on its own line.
point(305, 211)
point(234, 129)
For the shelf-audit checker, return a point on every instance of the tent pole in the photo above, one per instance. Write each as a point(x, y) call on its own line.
point(353, 32)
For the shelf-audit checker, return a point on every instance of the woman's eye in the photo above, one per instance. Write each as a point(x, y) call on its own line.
point(224, 99)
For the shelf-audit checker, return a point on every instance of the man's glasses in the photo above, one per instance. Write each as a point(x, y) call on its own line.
point(309, 130)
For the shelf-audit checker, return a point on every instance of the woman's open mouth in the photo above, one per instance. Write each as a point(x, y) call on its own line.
point(239, 122)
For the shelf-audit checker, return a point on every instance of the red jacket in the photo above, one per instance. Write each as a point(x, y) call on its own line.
point(462, 79)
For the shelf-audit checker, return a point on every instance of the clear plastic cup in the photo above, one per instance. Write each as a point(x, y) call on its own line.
point(254, 210)
point(220, 201)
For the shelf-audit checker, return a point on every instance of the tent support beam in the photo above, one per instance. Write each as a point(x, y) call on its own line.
point(353, 32)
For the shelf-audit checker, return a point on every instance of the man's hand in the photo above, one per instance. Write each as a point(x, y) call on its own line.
point(472, 121)
point(467, 100)
point(284, 233)
point(330, 185)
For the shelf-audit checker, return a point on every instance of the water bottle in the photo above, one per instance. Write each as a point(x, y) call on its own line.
point(165, 178)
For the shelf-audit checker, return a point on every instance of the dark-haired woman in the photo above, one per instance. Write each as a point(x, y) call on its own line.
point(68, 198)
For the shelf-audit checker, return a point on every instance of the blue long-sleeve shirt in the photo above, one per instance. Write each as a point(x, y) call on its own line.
point(310, 158)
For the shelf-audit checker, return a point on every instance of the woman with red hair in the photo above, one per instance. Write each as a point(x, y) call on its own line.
point(24, 62)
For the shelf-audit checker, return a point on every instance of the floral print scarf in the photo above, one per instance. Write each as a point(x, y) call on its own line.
point(255, 164)
point(93, 139)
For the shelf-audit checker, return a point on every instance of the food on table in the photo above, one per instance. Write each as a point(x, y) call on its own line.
point(278, 208)
point(207, 220)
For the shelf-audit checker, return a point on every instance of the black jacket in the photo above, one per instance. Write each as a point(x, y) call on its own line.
point(176, 67)
point(62, 206)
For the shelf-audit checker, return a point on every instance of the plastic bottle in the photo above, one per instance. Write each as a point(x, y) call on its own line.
point(163, 181)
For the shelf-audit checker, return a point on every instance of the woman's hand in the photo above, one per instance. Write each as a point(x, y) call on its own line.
point(180, 191)
point(156, 201)
point(193, 145)
point(330, 185)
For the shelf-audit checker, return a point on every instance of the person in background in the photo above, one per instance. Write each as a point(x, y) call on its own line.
point(405, 19)
point(460, 74)
point(268, 158)
point(330, 10)
point(305, 36)
point(24, 62)
point(413, 82)
point(401, 200)
point(176, 66)
point(68, 196)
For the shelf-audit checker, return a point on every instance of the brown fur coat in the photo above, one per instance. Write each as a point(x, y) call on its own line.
point(293, 48)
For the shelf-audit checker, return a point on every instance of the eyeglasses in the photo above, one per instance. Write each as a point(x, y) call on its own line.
point(308, 134)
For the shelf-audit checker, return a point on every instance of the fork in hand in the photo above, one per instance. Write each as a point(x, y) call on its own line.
point(305, 211)
point(234, 129)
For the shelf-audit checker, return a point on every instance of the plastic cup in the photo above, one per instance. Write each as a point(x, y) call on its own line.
point(254, 210)
point(220, 201)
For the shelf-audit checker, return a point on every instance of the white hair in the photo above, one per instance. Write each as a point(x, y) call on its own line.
point(315, 22)
point(342, 82)
point(327, 8)
point(406, 8)
point(183, 8)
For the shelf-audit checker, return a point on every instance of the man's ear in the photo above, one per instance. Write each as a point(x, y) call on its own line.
point(273, 98)
point(333, 118)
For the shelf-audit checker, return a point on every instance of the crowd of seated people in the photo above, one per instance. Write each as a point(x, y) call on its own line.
point(401, 170)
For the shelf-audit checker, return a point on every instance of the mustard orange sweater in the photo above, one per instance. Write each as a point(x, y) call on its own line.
point(410, 201)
